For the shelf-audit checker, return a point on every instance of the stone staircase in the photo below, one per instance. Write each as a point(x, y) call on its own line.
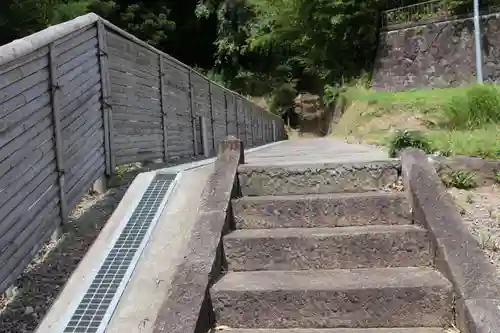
point(303, 260)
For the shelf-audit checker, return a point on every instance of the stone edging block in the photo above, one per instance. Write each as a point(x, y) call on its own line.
point(187, 307)
point(457, 254)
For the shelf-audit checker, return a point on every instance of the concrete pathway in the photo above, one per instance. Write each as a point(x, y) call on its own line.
point(317, 150)
point(301, 151)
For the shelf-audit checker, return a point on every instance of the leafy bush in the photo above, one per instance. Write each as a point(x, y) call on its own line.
point(479, 106)
point(283, 98)
point(461, 179)
point(496, 175)
point(330, 94)
point(405, 139)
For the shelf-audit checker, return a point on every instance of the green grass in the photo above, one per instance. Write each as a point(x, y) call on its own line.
point(496, 176)
point(461, 179)
point(456, 121)
point(407, 138)
point(481, 142)
point(426, 101)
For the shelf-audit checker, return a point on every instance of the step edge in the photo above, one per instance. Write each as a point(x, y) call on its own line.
point(335, 196)
point(328, 231)
point(335, 330)
point(438, 280)
point(393, 163)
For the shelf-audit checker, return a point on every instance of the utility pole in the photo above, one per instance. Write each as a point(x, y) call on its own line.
point(477, 32)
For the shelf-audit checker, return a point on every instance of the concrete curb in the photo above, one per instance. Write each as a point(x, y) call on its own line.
point(457, 254)
point(187, 306)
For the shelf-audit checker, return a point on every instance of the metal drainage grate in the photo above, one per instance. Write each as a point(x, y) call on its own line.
point(99, 301)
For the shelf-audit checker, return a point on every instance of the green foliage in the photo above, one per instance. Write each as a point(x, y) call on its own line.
point(479, 106)
point(303, 43)
point(65, 11)
point(149, 21)
point(372, 114)
point(212, 75)
point(461, 179)
point(170, 25)
point(283, 98)
point(257, 47)
point(19, 18)
point(405, 139)
point(418, 10)
point(330, 94)
point(496, 176)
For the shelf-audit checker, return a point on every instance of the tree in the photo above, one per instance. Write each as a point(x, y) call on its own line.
point(19, 18)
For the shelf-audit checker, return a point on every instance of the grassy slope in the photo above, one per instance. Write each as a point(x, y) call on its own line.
point(372, 117)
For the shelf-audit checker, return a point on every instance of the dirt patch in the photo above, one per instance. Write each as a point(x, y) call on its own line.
point(485, 172)
point(365, 123)
point(396, 186)
point(479, 206)
point(44, 278)
point(299, 133)
point(480, 210)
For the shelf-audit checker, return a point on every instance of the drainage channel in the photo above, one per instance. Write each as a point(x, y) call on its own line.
point(95, 305)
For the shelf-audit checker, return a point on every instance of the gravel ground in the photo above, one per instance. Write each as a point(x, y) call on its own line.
point(480, 209)
point(44, 278)
point(397, 186)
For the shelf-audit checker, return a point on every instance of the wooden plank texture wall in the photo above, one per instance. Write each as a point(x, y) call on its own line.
point(80, 98)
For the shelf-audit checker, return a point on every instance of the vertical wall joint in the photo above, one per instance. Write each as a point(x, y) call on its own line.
point(163, 107)
point(56, 122)
point(211, 114)
point(105, 97)
point(192, 113)
point(226, 111)
point(235, 106)
point(204, 136)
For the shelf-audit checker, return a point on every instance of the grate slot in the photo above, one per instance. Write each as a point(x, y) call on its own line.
point(96, 305)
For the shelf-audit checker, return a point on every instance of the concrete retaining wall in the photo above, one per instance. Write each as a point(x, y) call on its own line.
point(439, 54)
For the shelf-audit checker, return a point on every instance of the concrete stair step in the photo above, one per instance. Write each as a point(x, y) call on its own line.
point(321, 210)
point(327, 248)
point(257, 180)
point(358, 298)
point(336, 330)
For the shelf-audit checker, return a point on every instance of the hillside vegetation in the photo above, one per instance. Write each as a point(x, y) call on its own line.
point(274, 49)
point(452, 121)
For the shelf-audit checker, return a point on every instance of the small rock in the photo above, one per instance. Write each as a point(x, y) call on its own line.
point(28, 310)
